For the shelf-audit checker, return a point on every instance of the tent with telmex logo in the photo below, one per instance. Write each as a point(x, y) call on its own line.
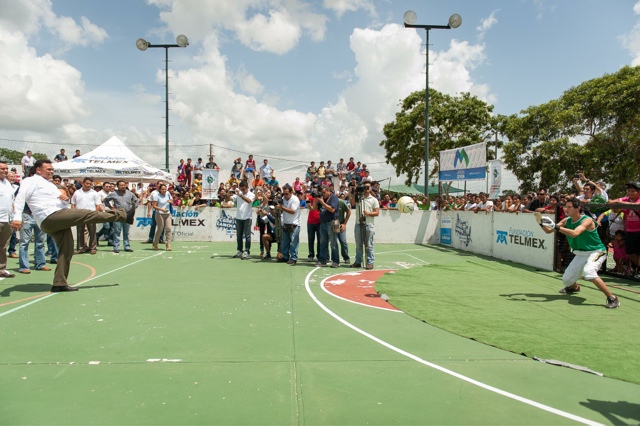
point(111, 161)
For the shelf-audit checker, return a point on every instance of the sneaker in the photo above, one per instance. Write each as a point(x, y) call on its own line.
point(245, 255)
point(612, 302)
point(335, 265)
point(321, 265)
point(238, 255)
point(571, 289)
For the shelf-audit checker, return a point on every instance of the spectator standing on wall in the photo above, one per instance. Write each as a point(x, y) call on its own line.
point(77, 154)
point(27, 163)
point(60, 157)
point(266, 170)
point(211, 164)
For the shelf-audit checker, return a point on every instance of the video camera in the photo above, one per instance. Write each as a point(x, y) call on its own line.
point(274, 200)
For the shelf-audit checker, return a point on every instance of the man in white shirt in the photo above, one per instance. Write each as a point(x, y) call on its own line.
point(27, 162)
point(6, 206)
point(244, 200)
point(290, 209)
point(86, 199)
point(266, 170)
point(49, 209)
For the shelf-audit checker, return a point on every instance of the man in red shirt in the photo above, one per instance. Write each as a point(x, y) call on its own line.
point(313, 228)
point(632, 222)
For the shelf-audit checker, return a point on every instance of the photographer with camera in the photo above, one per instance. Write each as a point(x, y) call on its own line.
point(327, 203)
point(367, 207)
point(244, 200)
point(289, 205)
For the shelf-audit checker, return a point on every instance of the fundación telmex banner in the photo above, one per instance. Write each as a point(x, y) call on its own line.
point(468, 163)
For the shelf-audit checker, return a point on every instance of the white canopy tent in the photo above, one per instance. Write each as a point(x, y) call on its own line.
point(111, 161)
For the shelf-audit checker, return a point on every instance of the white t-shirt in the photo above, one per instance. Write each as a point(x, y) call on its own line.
point(6, 200)
point(163, 202)
point(243, 211)
point(483, 206)
point(28, 161)
point(87, 200)
point(470, 206)
point(294, 204)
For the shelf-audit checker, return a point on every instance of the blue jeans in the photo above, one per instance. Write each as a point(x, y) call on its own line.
point(107, 231)
point(328, 238)
point(52, 247)
point(370, 232)
point(290, 242)
point(344, 247)
point(313, 231)
point(243, 232)
point(12, 243)
point(29, 227)
point(117, 228)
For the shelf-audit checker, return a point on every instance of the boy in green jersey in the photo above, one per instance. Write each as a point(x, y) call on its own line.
point(590, 253)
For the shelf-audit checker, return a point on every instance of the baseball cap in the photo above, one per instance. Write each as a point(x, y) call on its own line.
point(635, 185)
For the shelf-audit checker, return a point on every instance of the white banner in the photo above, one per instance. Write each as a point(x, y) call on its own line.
point(209, 183)
point(467, 163)
point(495, 170)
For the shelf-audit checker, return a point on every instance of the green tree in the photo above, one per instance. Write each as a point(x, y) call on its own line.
point(12, 156)
point(593, 127)
point(454, 121)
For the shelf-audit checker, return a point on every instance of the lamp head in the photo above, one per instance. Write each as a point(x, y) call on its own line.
point(182, 40)
point(410, 17)
point(142, 44)
point(455, 20)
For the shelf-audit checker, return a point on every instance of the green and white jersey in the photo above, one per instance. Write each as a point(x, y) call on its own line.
point(588, 240)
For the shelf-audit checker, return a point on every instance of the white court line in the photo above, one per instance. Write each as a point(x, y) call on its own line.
point(77, 285)
point(419, 260)
point(442, 369)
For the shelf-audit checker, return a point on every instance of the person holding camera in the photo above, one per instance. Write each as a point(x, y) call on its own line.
point(327, 203)
point(244, 201)
point(290, 208)
point(367, 208)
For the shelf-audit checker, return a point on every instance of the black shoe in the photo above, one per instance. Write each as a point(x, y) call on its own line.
point(282, 260)
point(59, 288)
point(116, 251)
point(570, 290)
point(131, 216)
point(291, 262)
point(612, 302)
point(128, 250)
point(266, 257)
point(53, 262)
point(147, 242)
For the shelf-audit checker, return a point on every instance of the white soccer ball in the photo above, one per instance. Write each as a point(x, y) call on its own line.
point(406, 204)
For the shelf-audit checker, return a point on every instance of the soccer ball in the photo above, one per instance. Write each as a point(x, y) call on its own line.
point(406, 204)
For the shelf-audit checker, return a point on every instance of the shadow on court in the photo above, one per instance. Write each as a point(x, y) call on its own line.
point(615, 411)
point(42, 288)
point(544, 298)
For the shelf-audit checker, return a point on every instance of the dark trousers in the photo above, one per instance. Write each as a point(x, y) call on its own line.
point(313, 234)
point(243, 232)
point(59, 224)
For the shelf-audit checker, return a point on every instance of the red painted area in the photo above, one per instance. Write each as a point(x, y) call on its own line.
point(358, 286)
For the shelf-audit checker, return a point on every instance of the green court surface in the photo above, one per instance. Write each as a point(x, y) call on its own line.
point(194, 336)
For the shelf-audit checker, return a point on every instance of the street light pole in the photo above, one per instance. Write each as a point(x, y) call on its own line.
point(143, 45)
point(455, 21)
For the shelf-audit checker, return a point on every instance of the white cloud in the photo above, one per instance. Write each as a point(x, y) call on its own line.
point(278, 33)
point(631, 40)
point(29, 17)
point(36, 91)
point(274, 26)
point(248, 82)
point(340, 7)
point(487, 23)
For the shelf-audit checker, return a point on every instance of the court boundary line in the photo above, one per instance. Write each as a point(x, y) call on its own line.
point(326, 290)
point(443, 369)
point(17, 308)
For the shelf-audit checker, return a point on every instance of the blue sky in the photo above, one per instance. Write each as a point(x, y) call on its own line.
point(288, 78)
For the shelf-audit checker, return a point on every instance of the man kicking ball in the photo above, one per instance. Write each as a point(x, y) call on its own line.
point(51, 211)
point(590, 253)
